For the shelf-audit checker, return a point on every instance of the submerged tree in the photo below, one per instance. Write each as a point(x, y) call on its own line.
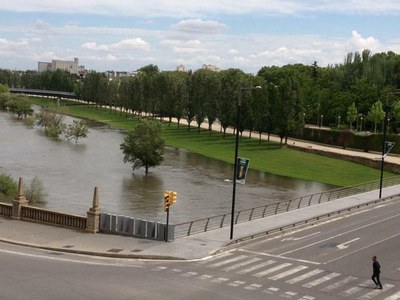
point(144, 146)
point(51, 121)
point(76, 130)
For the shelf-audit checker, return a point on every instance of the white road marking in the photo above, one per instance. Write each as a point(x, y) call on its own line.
point(114, 264)
point(304, 276)
point(189, 274)
point(236, 283)
point(291, 294)
point(242, 264)
point(220, 279)
point(340, 234)
point(288, 273)
point(395, 296)
point(159, 269)
point(256, 267)
point(363, 248)
point(176, 270)
point(212, 258)
point(274, 269)
point(346, 244)
point(253, 286)
point(375, 293)
point(355, 289)
point(300, 238)
point(321, 280)
point(338, 284)
point(228, 261)
point(282, 257)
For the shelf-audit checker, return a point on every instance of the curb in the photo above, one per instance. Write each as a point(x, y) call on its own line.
point(93, 253)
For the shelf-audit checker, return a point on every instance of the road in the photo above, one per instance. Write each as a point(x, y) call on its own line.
point(326, 261)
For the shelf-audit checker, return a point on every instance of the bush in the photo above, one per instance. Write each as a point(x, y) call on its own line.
point(35, 192)
point(8, 188)
point(29, 121)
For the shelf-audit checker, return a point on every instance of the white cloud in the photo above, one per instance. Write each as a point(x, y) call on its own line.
point(128, 44)
point(185, 47)
point(199, 26)
point(195, 8)
point(6, 45)
point(358, 43)
point(41, 25)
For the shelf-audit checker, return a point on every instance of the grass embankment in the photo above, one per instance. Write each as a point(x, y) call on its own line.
point(268, 156)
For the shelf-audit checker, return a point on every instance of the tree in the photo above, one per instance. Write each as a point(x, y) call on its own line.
point(228, 97)
point(351, 114)
point(76, 130)
point(144, 146)
point(4, 99)
point(3, 88)
point(51, 120)
point(8, 188)
point(376, 114)
point(19, 105)
point(35, 192)
point(396, 112)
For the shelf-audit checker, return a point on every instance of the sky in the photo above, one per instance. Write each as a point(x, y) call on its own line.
point(125, 35)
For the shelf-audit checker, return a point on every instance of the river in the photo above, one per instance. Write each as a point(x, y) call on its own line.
point(70, 172)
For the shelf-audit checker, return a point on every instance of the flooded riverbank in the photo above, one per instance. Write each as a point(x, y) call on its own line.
point(70, 172)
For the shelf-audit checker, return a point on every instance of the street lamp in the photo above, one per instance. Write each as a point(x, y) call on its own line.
point(322, 119)
point(385, 124)
point(239, 105)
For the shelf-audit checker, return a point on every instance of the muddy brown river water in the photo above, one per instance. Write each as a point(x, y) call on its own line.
point(70, 172)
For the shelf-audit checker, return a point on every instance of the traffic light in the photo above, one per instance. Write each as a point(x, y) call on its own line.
point(167, 200)
point(172, 197)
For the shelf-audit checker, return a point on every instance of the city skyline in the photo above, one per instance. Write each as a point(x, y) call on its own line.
point(126, 35)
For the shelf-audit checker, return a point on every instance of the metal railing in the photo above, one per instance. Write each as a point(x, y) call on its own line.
point(52, 217)
point(308, 221)
point(219, 221)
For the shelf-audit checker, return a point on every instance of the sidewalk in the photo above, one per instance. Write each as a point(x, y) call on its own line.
point(192, 247)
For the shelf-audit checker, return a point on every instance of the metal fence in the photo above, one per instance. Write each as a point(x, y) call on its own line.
point(129, 226)
point(214, 222)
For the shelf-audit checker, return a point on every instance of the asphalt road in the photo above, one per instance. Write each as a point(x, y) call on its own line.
point(330, 260)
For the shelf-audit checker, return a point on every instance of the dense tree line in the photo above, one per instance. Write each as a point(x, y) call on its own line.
point(340, 96)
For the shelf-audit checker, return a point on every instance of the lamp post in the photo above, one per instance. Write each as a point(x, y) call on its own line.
point(322, 119)
point(385, 124)
point(239, 105)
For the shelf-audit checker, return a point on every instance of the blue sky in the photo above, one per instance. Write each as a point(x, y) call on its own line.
point(124, 35)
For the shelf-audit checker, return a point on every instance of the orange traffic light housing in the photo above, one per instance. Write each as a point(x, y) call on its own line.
point(167, 200)
point(172, 197)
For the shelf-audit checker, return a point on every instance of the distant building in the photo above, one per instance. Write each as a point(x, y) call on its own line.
point(65, 65)
point(117, 74)
point(211, 68)
point(180, 68)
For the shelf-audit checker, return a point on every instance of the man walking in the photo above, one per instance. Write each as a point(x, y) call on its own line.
point(376, 268)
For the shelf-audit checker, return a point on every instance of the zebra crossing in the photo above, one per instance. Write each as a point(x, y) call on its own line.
point(259, 274)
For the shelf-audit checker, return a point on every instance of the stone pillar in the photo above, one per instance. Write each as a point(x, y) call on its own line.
point(19, 201)
point(93, 215)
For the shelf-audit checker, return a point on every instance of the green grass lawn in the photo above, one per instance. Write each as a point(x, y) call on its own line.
point(268, 157)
